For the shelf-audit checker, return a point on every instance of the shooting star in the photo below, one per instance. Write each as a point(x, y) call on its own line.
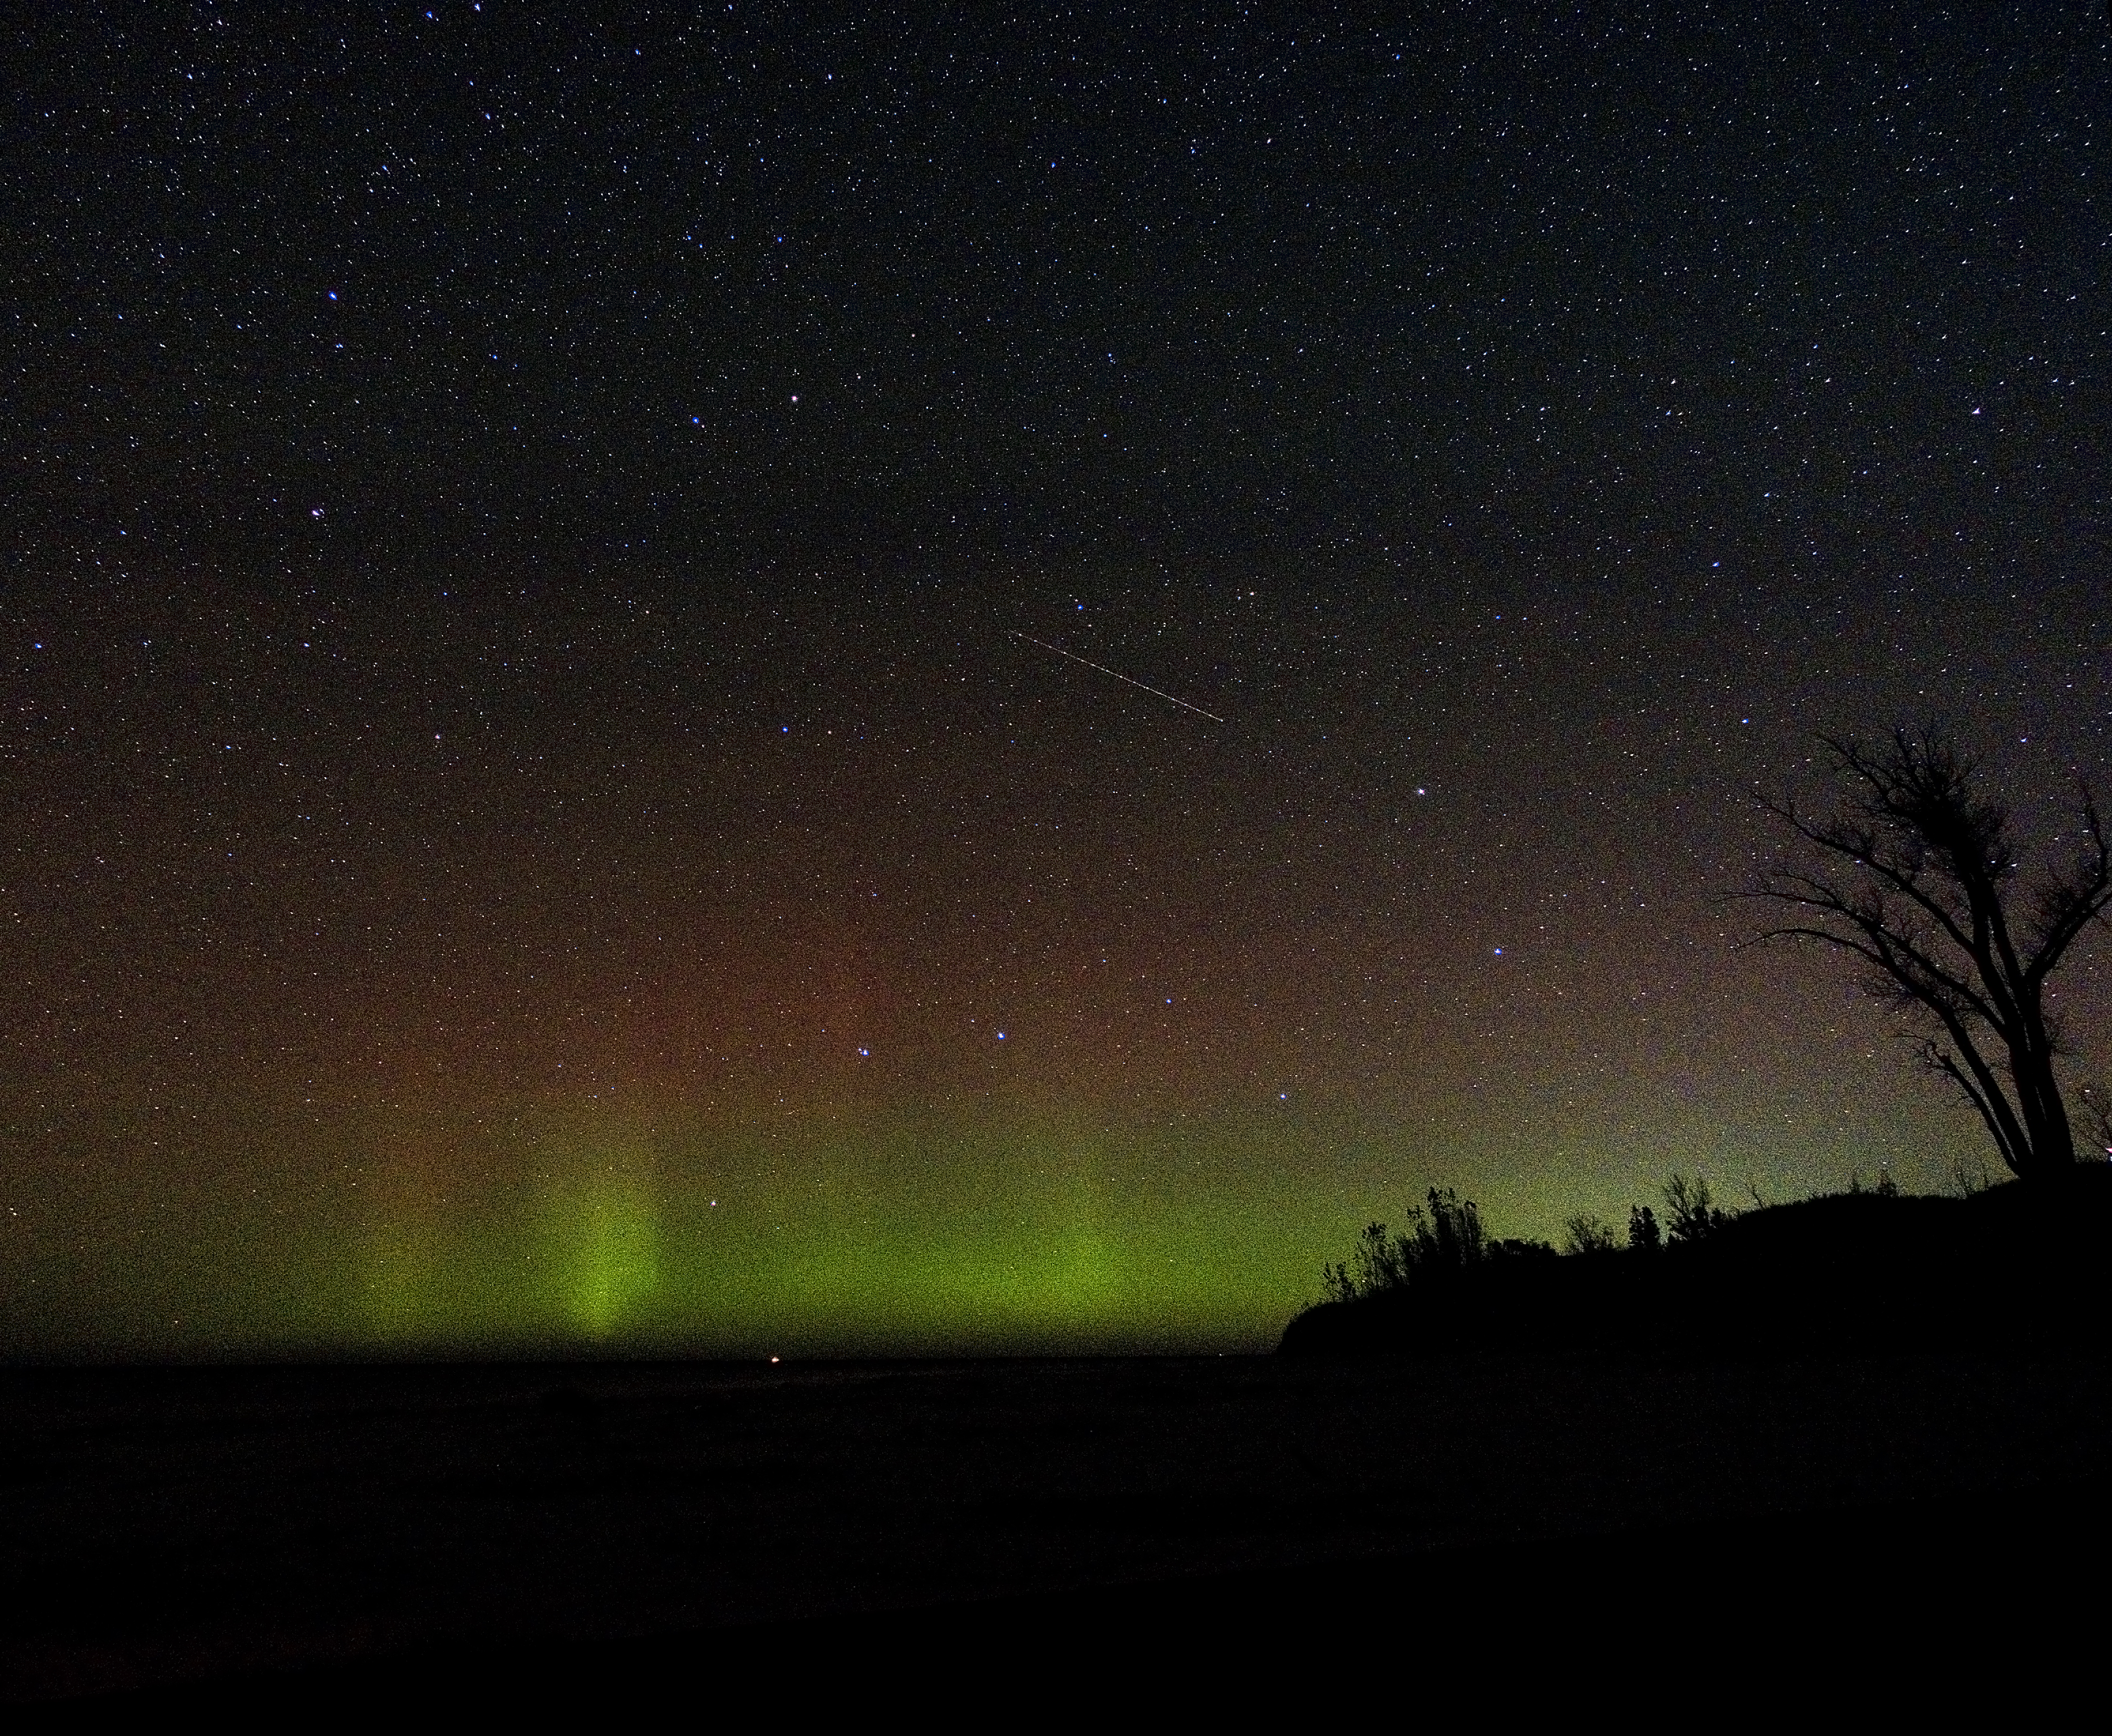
point(1157, 692)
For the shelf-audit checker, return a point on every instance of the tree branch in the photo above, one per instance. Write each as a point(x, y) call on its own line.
point(1820, 894)
point(1934, 1059)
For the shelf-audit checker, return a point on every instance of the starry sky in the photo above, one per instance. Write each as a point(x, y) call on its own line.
point(535, 813)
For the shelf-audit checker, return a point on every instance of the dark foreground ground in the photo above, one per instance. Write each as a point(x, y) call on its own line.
point(1009, 1537)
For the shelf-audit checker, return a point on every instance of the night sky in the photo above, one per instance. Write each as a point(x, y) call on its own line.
point(528, 819)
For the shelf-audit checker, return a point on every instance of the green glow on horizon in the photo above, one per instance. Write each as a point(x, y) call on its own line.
point(586, 1232)
point(396, 1263)
point(599, 1211)
point(611, 1264)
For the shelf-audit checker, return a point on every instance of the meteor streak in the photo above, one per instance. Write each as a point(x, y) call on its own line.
point(1157, 692)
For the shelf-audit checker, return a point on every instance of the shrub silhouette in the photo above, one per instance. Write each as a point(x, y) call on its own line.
point(1522, 1247)
point(1445, 1237)
point(1690, 1214)
point(1376, 1269)
point(1862, 1267)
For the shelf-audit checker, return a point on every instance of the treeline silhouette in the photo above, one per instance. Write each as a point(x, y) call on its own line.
point(1447, 1237)
point(1870, 1268)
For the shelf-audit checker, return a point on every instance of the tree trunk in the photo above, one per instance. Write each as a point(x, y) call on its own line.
point(2046, 1126)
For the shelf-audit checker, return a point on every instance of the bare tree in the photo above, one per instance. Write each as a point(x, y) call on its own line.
point(1916, 874)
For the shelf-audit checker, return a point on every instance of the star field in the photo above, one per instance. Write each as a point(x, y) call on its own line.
point(536, 809)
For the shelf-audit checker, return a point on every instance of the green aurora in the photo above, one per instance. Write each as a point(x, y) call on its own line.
point(579, 1234)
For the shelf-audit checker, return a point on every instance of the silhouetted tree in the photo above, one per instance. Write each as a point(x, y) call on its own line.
point(1644, 1237)
point(1376, 1265)
point(1451, 1237)
point(2098, 1113)
point(1448, 1238)
point(1522, 1247)
point(1916, 874)
point(1586, 1234)
point(1690, 1214)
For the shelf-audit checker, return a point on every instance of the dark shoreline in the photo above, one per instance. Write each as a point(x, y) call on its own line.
point(1844, 1601)
point(1859, 1273)
point(593, 1529)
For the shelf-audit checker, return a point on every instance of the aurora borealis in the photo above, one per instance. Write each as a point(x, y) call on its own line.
point(530, 823)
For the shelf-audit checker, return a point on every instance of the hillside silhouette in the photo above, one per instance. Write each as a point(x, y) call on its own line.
point(1861, 1271)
